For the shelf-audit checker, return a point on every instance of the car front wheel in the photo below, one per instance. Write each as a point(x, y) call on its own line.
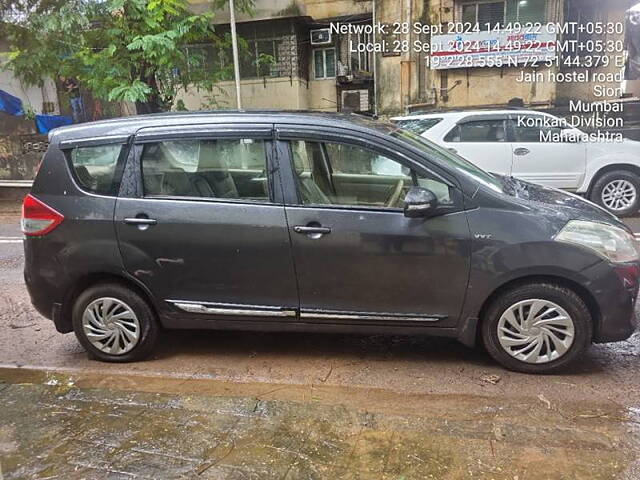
point(618, 192)
point(537, 328)
point(114, 323)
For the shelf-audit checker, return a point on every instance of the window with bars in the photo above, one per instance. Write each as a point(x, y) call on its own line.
point(360, 60)
point(205, 59)
point(259, 58)
point(487, 12)
point(271, 57)
point(324, 63)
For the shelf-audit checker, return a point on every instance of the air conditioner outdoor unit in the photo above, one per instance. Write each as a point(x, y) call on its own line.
point(355, 100)
point(320, 36)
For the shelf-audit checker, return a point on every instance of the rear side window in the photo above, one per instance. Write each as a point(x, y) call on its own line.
point(95, 168)
point(478, 131)
point(224, 169)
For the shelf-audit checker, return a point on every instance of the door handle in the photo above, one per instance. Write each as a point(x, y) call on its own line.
point(311, 230)
point(521, 151)
point(140, 221)
point(452, 150)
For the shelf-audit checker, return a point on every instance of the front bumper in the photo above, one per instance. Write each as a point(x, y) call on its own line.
point(615, 290)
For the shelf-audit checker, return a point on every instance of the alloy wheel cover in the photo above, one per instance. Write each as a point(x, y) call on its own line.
point(536, 331)
point(111, 326)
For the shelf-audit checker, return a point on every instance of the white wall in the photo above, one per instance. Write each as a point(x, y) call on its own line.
point(33, 96)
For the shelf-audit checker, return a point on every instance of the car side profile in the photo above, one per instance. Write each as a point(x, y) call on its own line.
point(314, 222)
point(540, 148)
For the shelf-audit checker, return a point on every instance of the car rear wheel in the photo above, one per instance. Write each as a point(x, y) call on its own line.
point(537, 328)
point(618, 192)
point(114, 324)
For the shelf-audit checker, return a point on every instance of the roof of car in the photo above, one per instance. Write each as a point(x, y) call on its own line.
point(129, 125)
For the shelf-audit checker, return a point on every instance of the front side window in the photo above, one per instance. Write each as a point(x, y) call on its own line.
point(224, 169)
point(432, 150)
point(478, 131)
point(349, 175)
point(324, 63)
point(95, 167)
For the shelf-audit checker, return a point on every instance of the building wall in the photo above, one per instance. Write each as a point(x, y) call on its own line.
point(268, 93)
point(270, 9)
point(494, 86)
point(424, 88)
point(405, 82)
point(273, 93)
point(401, 78)
point(322, 95)
point(300, 90)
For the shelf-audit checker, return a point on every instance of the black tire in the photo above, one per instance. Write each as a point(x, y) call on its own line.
point(149, 328)
point(563, 297)
point(608, 177)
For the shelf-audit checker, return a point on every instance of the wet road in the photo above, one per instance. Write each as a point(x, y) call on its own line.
point(333, 406)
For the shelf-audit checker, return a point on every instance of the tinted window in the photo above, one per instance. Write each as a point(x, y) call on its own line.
point(347, 175)
point(95, 167)
point(478, 131)
point(418, 125)
point(229, 169)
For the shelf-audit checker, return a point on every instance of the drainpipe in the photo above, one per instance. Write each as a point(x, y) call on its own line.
point(234, 46)
point(375, 62)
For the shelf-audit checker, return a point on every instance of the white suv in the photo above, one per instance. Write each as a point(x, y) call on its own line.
point(608, 173)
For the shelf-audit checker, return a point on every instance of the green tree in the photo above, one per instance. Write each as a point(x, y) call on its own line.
point(133, 50)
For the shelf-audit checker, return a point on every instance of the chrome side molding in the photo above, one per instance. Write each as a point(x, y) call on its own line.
point(232, 309)
point(242, 310)
point(327, 315)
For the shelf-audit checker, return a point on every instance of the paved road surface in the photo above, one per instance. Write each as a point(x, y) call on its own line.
point(303, 406)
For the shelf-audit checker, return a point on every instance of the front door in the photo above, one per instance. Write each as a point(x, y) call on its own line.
point(357, 257)
point(207, 232)
point(539, 156)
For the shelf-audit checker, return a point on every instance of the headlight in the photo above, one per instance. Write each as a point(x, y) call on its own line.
point(613, 243)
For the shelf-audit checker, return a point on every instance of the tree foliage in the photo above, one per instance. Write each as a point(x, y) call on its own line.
point(133, 50)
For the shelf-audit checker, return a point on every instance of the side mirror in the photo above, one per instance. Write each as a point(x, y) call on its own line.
point(419, 202)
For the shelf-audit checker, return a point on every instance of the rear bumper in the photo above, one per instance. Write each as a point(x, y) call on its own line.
point(41, 298)
point(44, 301)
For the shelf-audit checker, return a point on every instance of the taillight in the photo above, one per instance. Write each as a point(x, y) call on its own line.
point(37, 217)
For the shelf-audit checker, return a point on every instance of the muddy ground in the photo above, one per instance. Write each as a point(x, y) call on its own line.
point(298, 406)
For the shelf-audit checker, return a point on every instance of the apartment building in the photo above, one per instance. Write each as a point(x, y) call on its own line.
point(310, 69)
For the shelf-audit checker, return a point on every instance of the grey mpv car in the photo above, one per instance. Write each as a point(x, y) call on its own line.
point(315, 222)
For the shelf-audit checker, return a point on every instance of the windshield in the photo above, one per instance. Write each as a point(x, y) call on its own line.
point(417, 125)
point(455, 161)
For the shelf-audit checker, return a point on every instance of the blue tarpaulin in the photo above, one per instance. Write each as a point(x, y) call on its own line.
point(49, 122)
point(10, 104)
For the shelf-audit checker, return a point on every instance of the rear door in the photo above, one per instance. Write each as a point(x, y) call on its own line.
point(482, 139)
point(202, 223)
